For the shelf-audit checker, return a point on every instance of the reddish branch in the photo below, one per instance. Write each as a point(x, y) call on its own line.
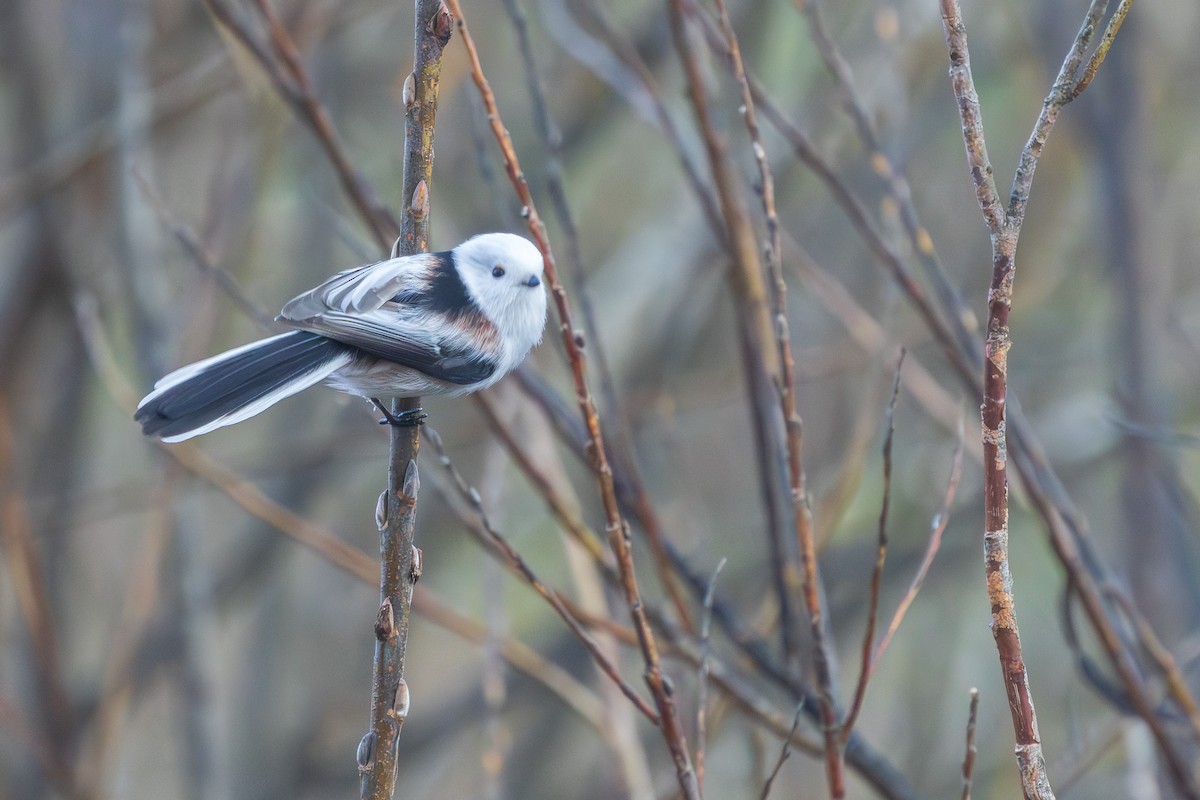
point(616, 527)
point(1004, 225)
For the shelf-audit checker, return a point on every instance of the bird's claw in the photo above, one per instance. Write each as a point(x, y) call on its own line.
point(405, 419)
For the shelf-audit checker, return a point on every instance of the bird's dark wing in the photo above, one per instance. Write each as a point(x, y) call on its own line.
point(403, 338)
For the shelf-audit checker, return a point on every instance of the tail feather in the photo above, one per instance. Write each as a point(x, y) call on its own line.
point(236, 385)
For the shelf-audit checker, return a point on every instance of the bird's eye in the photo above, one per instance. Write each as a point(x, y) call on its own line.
point(497, 271)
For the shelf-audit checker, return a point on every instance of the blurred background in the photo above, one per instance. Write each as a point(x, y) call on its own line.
point(160, 199)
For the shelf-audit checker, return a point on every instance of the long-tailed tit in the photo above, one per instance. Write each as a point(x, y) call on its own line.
point(435, 323)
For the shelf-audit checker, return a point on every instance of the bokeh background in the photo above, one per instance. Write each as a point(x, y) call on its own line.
point(156, 194)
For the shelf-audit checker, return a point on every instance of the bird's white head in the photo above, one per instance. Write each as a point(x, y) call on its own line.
point(504, 275)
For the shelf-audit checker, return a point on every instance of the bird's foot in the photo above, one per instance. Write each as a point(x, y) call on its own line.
point(405, 419)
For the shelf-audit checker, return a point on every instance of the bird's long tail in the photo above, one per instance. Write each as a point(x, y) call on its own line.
point(238, 384)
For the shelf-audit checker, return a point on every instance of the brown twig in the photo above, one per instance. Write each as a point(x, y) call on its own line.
point(968, 766)
point(784, 754)
point(938, 527)
point(622, 442)
point(868, 643)
point(772, 248)
point(617, 528)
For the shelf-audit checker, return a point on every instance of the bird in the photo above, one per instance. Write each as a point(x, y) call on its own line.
point(447, 323)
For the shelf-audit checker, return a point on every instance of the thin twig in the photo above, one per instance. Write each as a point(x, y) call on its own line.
point(968, 766)
point(1110, 33)
point(865, 666)
point(937, 528)
point(702, 682)
point(201, 256)
point(784, 754)
point(616, 527)
point(1162, 656)
point(556, 189)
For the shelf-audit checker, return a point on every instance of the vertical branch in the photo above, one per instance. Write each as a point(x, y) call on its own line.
point(399, 559)
point(1004, 225)
point(968, 766)
point(1030, 758)
point(573, 342)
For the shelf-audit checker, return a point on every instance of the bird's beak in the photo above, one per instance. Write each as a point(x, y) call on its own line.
point(533, 281)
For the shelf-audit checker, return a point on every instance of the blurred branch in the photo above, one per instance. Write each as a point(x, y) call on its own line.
point(702, 681)
point(957, 313)
point(59, 732)
point(298, 93)
point(135, 626)
point(617, 528)
point(57, 167)
point(636, 84)
point(768, 372)
point(201, 257)
point(578, 697)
